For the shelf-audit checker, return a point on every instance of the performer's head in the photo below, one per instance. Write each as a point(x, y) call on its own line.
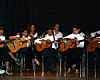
point(1, 30)
point(56, 27)
point(76, 29)
point(50, 31)
point(25, 33)
point(33, 28)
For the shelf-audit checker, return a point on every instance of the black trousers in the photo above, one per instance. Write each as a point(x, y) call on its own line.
point(91, 61)
point(78, 56)
point(26, 53)
point(4, 56)
point(98, 59)
point(67, 58)
point(73, 56)
point(49, 58)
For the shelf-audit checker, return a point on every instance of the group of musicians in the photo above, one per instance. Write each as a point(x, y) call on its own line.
point(50, 46)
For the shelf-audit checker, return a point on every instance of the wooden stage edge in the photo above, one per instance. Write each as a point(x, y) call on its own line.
point(47, 76)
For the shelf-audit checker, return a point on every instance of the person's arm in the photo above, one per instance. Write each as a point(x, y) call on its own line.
point(12, 37)
point(60, 35)
point(70, 36)
point(3, 38)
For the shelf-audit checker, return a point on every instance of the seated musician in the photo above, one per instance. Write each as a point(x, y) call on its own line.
point(5, 58)
point(49, 52)
point(25, 51)
point(95, 49)
point(2, 38)
point(33, 31)
point(57, 33)
point(48, 58)
point(75, 53)
point(56, 30)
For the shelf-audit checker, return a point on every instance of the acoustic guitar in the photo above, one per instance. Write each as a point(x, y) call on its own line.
point(66, 44)
point(43, 45)
point(16, 44)
point(93, 43)
point(2, 44)
point(23, 43)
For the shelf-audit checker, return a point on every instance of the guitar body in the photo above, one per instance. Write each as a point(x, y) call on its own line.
point(66, 44)
point(39, 47)
point(13, 46)
point(93, 44)
point(43, 45)
point(2, 45)
point(48, 44)
point(23, 44)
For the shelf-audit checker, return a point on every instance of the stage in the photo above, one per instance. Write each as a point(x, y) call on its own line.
point(47, 76)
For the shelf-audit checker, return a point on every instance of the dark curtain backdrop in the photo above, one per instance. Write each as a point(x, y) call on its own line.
point(15, 13)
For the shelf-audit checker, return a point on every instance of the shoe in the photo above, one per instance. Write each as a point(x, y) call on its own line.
point(2, 71)
point(37, 62)
point(9, 73)
point(69, 70)
point(76, 71)
point(73, 66)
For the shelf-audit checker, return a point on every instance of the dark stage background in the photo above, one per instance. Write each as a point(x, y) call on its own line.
point(15, 13)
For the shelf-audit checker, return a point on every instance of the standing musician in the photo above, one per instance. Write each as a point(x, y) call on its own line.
point(75, 53)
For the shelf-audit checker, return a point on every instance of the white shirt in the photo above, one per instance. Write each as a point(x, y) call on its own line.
point(98, 32)
point(2, 38)
point(17, 36)
point(35, 35)
point(93, 34)
point(58, 35)
point(47, 37)
point(79, 37)
point(51, 38)
point(26, 38)
point(37, 41)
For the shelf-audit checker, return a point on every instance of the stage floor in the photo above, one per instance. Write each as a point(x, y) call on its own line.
point(47, 76)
